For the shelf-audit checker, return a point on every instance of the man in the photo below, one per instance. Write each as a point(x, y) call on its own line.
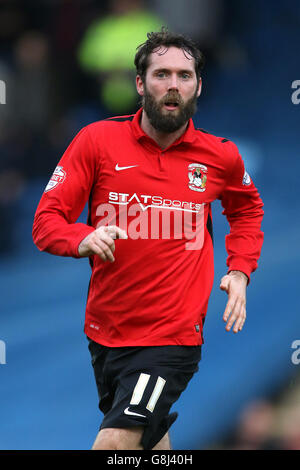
point(149, 288)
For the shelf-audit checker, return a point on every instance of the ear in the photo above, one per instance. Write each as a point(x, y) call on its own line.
point(139, 85)
point(199, 87)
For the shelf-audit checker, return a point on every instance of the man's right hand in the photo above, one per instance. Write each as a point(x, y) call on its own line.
point(101, 242)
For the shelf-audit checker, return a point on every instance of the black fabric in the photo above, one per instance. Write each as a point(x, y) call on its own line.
point(117, 371)
point(202, 130)
point(209, 226)
point(120, 119)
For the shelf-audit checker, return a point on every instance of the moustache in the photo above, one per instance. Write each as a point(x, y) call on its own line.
point(172, 98)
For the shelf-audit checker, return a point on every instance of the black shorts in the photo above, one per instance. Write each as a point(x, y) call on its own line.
point(138, 385)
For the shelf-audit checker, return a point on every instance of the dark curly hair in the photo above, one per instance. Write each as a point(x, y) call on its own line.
point(166, 38)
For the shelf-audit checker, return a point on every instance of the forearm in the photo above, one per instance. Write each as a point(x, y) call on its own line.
point(53, 234)
point(243, 247)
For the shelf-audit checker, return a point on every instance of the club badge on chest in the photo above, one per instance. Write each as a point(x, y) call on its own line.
point(197, 174)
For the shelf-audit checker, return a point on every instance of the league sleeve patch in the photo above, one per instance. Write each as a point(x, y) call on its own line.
point(246, 179)
point(58, 177)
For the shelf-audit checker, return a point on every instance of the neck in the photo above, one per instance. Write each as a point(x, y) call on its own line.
point(163, 139)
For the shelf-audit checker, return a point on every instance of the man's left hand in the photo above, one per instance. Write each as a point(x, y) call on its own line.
point(235, 284)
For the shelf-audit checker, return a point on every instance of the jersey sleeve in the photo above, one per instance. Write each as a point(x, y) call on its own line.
point(54, 228)
point(243, 208)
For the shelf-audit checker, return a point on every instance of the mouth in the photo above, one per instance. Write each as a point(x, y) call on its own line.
point(171, 105)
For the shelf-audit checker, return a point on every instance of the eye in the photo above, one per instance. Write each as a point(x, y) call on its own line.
point(161, 74)
point(185, 75)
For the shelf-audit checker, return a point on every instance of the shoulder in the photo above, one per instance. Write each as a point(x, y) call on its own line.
point(225, 147)
point(214, 139)
point(107, 133)
point(112, 123)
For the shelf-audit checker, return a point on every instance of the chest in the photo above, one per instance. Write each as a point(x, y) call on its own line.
point(174, 177)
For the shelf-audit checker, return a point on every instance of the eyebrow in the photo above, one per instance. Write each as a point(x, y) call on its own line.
point(168, 70)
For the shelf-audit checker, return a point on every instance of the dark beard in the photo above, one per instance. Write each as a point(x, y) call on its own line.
point(170, 122)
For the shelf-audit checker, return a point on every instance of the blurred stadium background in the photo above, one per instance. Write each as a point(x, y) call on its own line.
point(68, 63)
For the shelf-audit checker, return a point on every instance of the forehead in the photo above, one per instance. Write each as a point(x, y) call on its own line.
point(171, 58)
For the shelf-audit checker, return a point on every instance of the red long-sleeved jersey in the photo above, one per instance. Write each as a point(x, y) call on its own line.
point(157, 290)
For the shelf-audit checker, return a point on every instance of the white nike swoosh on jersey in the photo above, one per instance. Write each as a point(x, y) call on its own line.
point(119, 168)
point(127, 412)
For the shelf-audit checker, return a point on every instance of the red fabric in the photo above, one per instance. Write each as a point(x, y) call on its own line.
point(156, 292)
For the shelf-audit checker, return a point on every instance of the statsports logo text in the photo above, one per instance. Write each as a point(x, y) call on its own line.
point(145, 216)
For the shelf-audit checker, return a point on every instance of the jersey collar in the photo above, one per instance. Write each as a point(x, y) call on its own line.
point(188, 136)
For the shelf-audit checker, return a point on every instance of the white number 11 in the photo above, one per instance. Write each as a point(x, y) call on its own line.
point(140, 388)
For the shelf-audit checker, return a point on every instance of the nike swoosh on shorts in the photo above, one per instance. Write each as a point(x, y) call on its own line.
point(131, 413)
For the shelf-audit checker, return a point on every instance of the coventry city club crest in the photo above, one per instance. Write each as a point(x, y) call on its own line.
point(197, 177)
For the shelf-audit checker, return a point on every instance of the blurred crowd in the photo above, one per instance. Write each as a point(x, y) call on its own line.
point(268, 423)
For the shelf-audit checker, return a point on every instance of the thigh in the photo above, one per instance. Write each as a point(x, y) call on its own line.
point(119, 439)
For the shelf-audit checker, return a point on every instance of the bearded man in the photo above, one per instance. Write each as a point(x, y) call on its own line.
point(149, 287)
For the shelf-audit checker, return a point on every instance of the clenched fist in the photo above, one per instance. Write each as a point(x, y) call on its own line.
point(101, 242)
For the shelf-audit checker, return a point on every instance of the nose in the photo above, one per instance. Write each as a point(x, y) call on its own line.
point(173, 82)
